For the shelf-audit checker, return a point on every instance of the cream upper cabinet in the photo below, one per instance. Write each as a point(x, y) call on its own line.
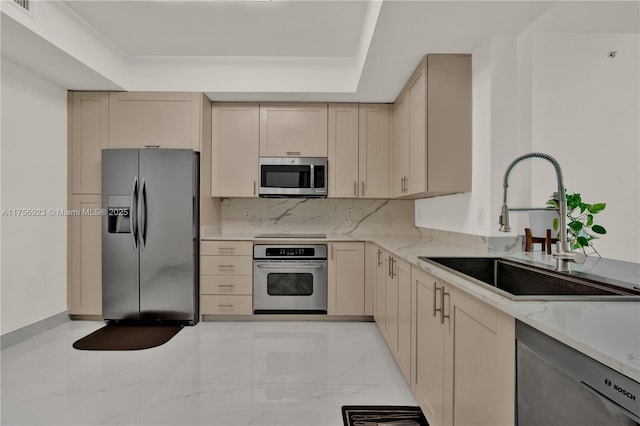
point(400, 146)
point(88, 135)
point(343, 178)
point(84, 285)
point(463, 348)
point(346, 289)
point(432, 143)
point(293, 130)
point(235, 145)
point(374, 150)
point(359, 148)
point(155, 119)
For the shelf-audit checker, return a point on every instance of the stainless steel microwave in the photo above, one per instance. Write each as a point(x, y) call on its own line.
point(293, 177)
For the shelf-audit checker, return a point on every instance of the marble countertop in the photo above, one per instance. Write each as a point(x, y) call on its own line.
point(608, 332)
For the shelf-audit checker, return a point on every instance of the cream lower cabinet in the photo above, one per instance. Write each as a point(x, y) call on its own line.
point(370, 273)
point(226, 286)
point(392, 307)
point(379, 288)
point(346, 287)
point(463, 370)
point(85, 257)
point(235, 146)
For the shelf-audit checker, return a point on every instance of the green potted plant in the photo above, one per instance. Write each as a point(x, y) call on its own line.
point(581, 228)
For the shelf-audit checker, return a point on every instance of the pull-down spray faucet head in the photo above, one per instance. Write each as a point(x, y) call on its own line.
point(505, 225)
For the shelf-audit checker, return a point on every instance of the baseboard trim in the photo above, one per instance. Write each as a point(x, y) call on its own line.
point(31, 330)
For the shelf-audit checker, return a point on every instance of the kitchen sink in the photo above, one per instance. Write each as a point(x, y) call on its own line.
point(519, 281)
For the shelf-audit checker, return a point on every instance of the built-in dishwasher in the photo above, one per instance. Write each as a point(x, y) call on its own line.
point(557, 385)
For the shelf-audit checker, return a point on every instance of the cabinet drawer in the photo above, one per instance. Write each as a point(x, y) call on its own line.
point(226, 284)
point(226, 305)
point(226, 265)
point(226, 248)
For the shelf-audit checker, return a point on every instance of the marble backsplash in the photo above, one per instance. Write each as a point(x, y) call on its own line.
point(313, 215)
point(346, 217)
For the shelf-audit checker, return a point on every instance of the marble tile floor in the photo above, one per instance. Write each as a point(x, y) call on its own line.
point(216, 373)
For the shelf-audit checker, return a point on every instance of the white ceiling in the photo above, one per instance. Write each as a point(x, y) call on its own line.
point(342, 51)
point(228, 28)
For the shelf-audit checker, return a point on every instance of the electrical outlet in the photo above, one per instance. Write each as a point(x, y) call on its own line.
point(480, 216)
point(349, 214)
point(247, 214)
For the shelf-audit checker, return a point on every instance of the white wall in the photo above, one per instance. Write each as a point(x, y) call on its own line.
point(586, 113)
point(564, 96)
point(34, 175)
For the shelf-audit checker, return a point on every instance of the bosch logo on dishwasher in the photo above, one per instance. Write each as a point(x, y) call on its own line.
point(620, 389)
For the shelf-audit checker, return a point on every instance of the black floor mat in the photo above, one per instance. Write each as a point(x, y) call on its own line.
point(373, 415)
point(120, 337)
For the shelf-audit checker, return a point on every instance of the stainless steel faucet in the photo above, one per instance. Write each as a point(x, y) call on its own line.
point(563, 255)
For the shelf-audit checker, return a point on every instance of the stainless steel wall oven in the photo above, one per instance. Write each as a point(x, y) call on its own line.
point(290, 279)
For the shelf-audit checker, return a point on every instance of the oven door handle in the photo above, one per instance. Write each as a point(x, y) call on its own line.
point(290, 266)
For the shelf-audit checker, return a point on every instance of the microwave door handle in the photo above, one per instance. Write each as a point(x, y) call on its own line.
point(313, 177)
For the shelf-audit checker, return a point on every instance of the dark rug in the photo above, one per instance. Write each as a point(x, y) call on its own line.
point(379, 415)
point(126, 337)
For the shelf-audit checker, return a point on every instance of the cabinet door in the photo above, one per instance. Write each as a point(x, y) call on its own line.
point(391, 307)
point(85, 257)
point(154, 119)
point(403, 271)
point(370, 274)
point(427, 376)
point(479, 362)
point(235, 142)
point(343, 151)
point(346, 279)
point(89, 133)
point(417, 137)
point(449, 123)
point(379, 311)
point(293, 130)
point(401, 146)
point(375, 150)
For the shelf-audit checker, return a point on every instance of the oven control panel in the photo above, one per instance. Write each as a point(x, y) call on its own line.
point(290, 251)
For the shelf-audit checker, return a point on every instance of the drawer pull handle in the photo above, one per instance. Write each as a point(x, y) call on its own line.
point(226, 285)
point(152, 146)
point(225, 266)
point(293, 152)
point(225, 306)
point(226, 249)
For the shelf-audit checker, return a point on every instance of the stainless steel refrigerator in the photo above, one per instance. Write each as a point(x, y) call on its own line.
point(150, 238)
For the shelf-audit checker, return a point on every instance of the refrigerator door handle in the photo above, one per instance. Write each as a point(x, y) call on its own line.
point(142, 214)
point(133, 214)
